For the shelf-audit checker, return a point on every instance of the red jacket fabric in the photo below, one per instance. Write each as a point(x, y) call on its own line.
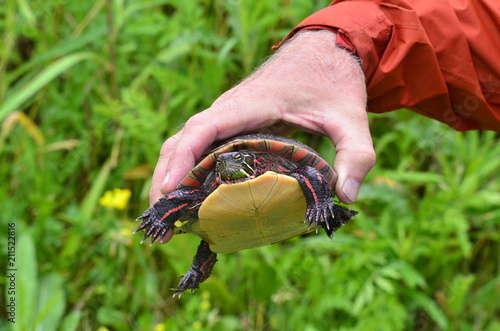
point(440, 58)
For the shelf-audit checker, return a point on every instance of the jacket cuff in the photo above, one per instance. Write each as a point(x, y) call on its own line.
point(365, 34)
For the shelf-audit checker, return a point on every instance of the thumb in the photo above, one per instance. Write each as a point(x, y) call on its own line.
point(355, 156)
point(352, 168)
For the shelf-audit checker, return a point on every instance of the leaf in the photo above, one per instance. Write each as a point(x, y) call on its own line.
point(27, 13)
point(265, 283)
point(70, 321)
point(431, 308)
point(23, 93)
point(27, 282)
point(484, 199)
point(457, 293)
point(415, 177)
point(110, 316)
point(384, 284)
point(385, 313)
point(92, 197)
point(51, 303)
point(26, 122)
point(410, 275)
point(65, 46)
point(364, 297)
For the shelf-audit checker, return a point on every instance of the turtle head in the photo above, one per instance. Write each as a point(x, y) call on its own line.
point(235, 165)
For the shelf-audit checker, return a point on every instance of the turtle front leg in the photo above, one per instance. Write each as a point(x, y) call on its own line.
point(321, 210)
point(200, 270)
point(159, 218)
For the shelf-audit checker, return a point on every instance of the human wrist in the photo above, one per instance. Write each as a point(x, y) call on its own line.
point(312, 68)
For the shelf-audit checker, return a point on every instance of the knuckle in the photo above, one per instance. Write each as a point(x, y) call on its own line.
point(206, 120)
point(370, 158)
point(195, 121)
point(366, 159)
point(169, 145)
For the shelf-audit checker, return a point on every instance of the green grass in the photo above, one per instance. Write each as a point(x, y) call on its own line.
point(89, 92)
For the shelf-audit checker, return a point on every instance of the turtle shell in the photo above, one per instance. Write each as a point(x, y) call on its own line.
point(262, 211)
point(288, 148)
point(254, 213)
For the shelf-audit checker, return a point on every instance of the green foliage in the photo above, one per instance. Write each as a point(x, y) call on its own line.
point(88, 93)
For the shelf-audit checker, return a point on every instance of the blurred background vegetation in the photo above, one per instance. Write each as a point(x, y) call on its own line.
point(89, 90)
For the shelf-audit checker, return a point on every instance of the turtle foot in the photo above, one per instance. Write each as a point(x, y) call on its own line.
point(158, 219)
point(153, 225)
point(319, 215)
point(200, 270)
point(321, 209)
point(190, 281)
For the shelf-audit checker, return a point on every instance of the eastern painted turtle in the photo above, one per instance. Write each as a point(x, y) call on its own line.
point(250, 191)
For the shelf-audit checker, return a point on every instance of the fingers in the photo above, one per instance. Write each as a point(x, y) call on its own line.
point(166, 238)
point(223, 120)
point(190, 143)
point(155, 192)
point(352, 167)
point(180, 152)
point(197, 135)
point(355, 154)
point(160, 171)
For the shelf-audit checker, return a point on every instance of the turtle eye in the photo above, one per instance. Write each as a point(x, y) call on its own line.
point(237, 157)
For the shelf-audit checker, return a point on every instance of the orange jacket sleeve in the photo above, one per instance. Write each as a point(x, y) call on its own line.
point(440, 58)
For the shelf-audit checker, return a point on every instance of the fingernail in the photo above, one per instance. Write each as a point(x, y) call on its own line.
point(351, 189)
point(165, 180)
point(166, 238)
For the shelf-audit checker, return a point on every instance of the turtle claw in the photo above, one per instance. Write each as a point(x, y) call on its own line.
point(153, 225)
point(329, 216)
point(143, 225)
point(177, 295)
point(314, 216)
point(189, 281)
point(146, 220)
point(158, 219)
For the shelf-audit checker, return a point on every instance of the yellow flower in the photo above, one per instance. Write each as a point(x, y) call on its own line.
point(197, 325)
point(160, 327)
point(117, 198)
point(205, 305)
point(125, 233)
point(205, 300)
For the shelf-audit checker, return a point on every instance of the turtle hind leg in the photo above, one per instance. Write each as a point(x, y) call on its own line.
point(200, 270)
point(321, 210)
point(159, 218)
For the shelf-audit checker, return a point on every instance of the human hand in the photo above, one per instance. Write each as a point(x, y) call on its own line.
point(309, 83)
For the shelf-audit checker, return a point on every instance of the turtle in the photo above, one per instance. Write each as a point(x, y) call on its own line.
point(248, 191)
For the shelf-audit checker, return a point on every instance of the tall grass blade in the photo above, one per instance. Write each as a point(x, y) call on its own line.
point(23, 93)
